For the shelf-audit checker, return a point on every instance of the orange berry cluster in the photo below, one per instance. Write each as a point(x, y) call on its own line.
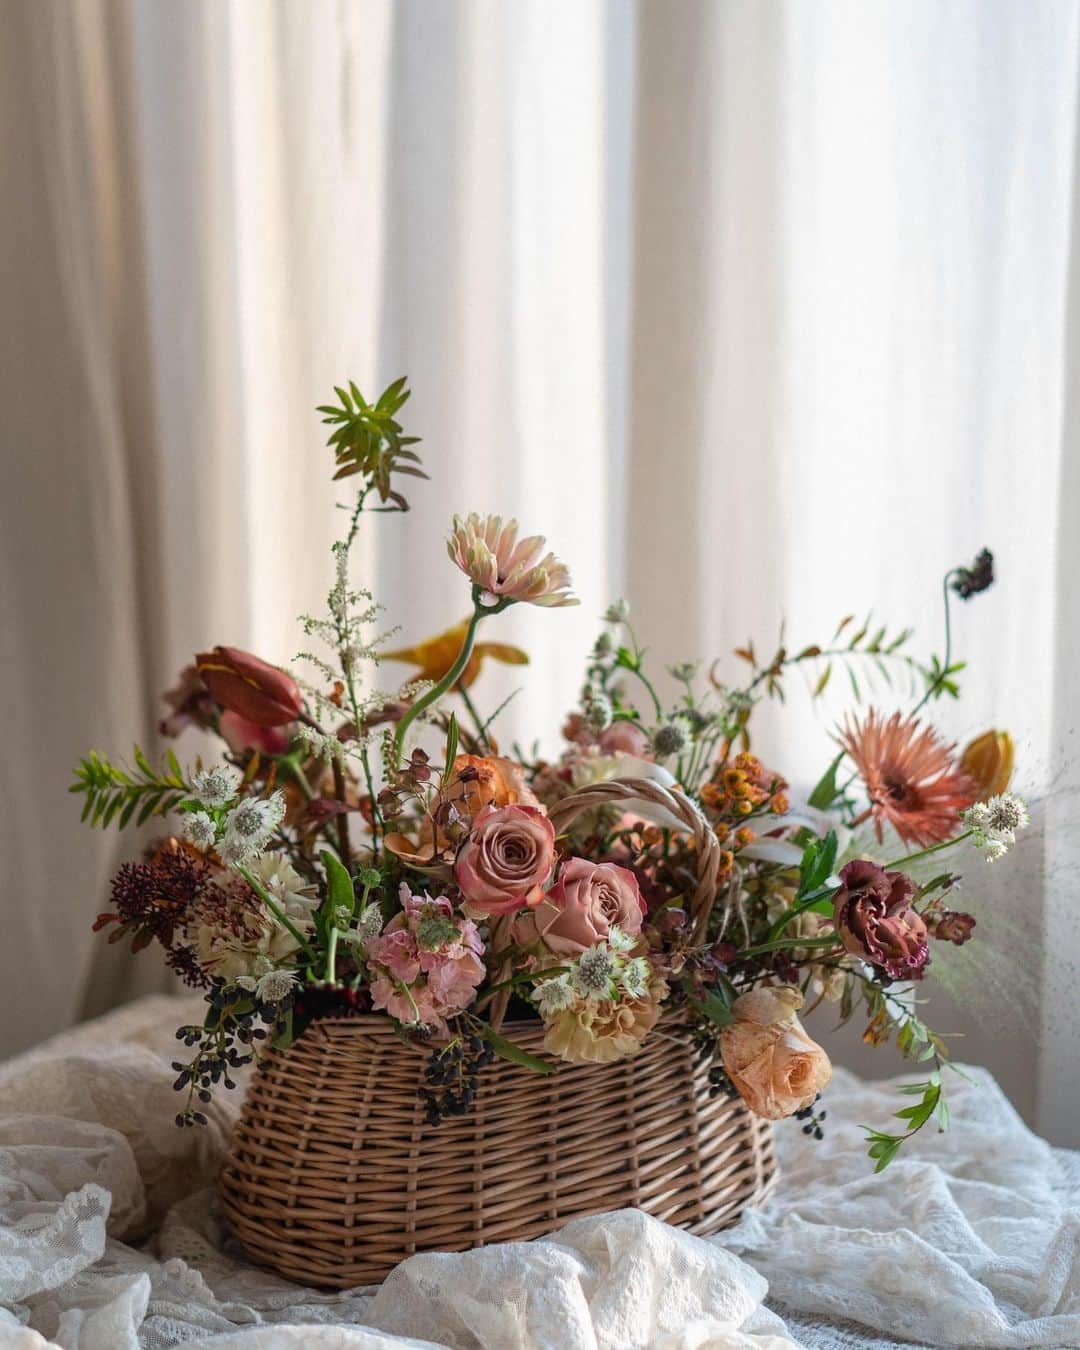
point(741, 786)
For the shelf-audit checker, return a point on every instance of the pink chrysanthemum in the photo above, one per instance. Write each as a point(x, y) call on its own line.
point(488, 552)
point(911, 778)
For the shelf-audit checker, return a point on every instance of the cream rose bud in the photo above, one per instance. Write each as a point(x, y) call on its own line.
point(586, 902)
point(774, 1065)
point(505, 859)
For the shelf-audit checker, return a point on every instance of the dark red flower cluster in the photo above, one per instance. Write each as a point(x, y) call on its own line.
point(156, 899)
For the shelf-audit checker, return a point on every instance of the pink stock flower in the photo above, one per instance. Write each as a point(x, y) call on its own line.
point(489, 554)
point(426, 965)
point(506, 858)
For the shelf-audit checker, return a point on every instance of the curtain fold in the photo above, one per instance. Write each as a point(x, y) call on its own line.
point(758, 310)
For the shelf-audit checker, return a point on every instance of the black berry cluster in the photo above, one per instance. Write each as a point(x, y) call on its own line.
point(223, 1044)
point(812, 1119)
point(452, 1074)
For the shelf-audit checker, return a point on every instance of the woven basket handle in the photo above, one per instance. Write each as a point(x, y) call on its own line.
point(676, 803)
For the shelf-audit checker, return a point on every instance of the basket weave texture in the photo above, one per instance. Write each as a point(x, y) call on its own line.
point(334, 1177)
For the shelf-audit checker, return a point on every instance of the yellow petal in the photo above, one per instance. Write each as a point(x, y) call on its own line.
point(435, 655)
point(988, 761)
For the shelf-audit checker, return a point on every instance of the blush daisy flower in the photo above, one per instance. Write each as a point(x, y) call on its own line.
point(490, 555)
point(911, 779)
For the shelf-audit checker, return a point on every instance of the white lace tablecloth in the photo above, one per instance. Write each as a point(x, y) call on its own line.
point(110, 1237)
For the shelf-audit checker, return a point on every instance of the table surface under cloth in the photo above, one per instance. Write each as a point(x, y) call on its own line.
point(110, 1237)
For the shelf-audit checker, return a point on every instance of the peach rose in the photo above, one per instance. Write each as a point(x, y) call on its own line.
point(775, 1066)
point(476, 781)
point(506, 858)
point(586, 902)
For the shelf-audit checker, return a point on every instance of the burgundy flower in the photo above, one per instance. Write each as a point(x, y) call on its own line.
point(189, 704)
point(952, 925)
point(874, 919)
point(243, 684)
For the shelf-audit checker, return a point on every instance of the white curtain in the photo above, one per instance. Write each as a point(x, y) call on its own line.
point(757, 309)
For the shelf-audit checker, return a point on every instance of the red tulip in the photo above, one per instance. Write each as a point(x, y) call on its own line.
point(243, 684)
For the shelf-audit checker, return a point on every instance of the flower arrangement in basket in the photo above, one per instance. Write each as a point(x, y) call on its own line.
point(365, 873)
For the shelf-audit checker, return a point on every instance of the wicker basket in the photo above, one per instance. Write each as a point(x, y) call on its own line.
point(334, 1178)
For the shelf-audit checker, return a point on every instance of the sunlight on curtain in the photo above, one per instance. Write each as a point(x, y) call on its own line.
point(758, 314)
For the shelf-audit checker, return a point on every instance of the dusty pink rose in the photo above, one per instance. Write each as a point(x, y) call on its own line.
point(239, 735)
point(621, 738)
point(873, 916)
point(506, 858)
point(625, 738)
point(586, 902)
point(426, 965)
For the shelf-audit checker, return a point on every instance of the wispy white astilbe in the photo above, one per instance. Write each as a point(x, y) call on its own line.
point(553, 996)
point(216, 787)
point(995, 822)
point(198, 828)
point(322, 745)
point(249, 827)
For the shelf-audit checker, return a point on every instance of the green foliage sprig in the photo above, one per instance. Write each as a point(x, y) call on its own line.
point(848, 650)
point(114, 792)
point(367, 440)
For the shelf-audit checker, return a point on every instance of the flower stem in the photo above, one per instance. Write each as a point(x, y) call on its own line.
point(943, 673)
point(331, 955)
point(934, 848)
point(276, 910)
point(786, 944)
point(452, 675)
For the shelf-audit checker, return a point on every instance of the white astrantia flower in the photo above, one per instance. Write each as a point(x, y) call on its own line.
point(249, 826)
point(216, 787)
point(553, 996)
point(368, 924)
point(199, 829)
point(594, 973)
point(275, 986)
point(994, 823)
point(635, 977)
point(619, 941)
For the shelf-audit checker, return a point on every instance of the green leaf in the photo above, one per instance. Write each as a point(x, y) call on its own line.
point(451, 742)
point(508, 1050)
point(822, 681)
point(339, 886)
point(714, 1009)
point(825, 792)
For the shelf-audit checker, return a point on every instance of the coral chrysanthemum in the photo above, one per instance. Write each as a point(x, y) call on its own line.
point(911, 778)
point(488, 552)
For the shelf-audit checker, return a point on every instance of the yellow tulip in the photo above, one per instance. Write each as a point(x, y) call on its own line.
point(435, 655)
point(988, 761)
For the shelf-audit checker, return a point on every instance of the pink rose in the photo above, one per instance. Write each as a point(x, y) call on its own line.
point(625, 738)
point(587, 901)
point(507, 856)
